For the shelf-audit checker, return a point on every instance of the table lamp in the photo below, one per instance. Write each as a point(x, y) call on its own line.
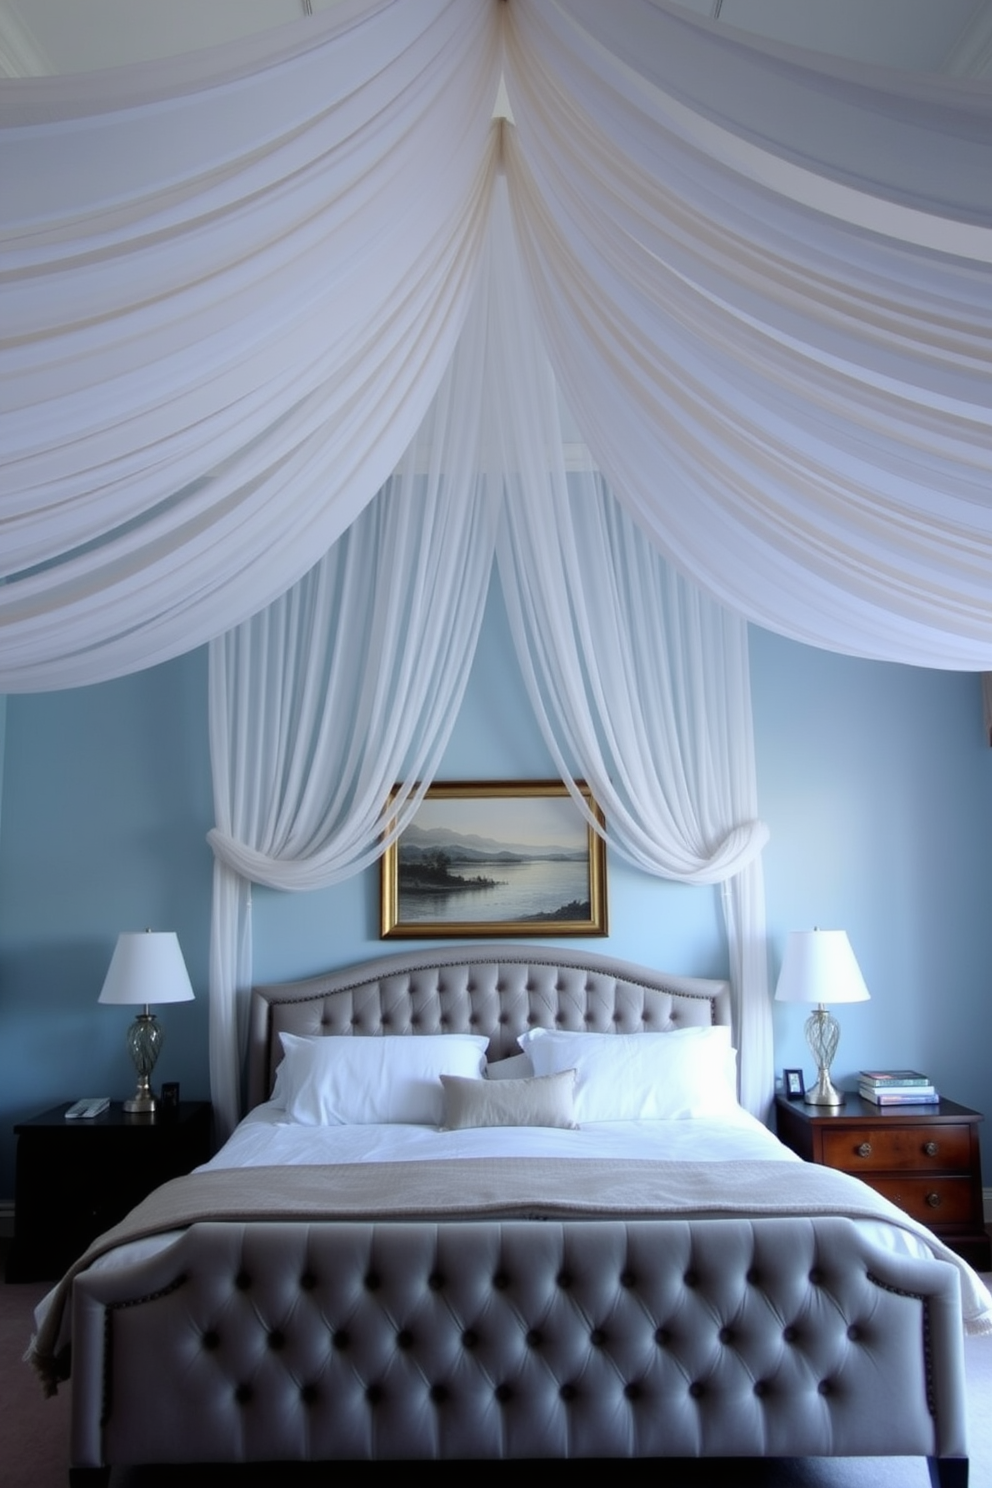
point(146, 967)
point(819, 966)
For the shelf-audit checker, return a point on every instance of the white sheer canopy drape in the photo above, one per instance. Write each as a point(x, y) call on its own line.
point(640, 683)
point(226, 308)
point(229, 286)
point(346, 686)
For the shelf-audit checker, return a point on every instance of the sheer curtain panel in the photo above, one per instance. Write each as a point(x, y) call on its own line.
point(346, 685)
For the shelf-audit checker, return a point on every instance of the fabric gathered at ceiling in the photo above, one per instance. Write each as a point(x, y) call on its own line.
point(230, 284)
point(352, 680)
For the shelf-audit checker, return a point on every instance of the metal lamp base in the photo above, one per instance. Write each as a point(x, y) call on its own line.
point(824, 1092)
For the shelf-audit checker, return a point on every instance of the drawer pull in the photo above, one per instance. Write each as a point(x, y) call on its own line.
point(864, 1150)
point(933, 1199)
point(930, 1149)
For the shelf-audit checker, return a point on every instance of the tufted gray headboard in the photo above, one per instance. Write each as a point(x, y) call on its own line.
point(499, 990)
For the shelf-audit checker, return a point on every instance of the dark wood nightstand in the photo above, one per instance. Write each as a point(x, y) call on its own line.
point(77, 1178)
point(923, 1158)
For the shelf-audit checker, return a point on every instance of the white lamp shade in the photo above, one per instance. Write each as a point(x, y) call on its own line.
point(147, 967)
point(820, 966)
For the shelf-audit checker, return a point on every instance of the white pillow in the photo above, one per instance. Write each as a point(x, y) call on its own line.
point(515, 1067)
point(641, 1076)
point(369, 1079)
point(544, 1101)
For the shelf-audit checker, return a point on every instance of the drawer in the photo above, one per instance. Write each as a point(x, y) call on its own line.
point(886, 1149)
point(933, 1201)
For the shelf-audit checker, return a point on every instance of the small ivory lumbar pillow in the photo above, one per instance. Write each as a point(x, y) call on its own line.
point(543, 1101)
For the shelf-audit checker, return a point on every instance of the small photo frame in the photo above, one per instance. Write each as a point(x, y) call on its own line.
point(793, 1082)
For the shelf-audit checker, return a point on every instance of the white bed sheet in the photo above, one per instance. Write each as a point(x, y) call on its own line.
point(266, 1138)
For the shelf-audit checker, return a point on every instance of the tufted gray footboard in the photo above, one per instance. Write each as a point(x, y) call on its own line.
point(519, 1339)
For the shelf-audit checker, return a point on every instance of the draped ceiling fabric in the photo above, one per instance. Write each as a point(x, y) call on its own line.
point(352, 680)
point(230, 286)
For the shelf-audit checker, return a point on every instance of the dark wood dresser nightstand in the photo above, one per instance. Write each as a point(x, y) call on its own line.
point(924, 1158)
point(77, 1178)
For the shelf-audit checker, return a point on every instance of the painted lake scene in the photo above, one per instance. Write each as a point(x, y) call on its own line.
point(497, 862)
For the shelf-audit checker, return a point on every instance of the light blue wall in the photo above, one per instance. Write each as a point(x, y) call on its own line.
point(875, 780)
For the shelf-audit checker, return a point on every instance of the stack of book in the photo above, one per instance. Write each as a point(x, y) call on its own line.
point(896, 1087)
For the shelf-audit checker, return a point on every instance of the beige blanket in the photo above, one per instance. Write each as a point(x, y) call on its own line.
point(499, 1188)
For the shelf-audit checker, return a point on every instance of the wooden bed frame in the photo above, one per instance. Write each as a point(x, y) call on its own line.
point(518, 1339)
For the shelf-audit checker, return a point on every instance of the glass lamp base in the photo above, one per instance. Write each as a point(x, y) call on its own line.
point(144, 1040)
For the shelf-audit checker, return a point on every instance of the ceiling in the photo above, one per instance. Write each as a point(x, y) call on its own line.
point(39, 37)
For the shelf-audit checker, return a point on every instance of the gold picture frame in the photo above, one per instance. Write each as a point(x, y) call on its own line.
point(539, 867)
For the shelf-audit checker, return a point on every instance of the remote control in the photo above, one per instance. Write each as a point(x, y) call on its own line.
point(91, 1105)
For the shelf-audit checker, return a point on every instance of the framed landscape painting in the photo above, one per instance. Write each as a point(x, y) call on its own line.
point(495, 858)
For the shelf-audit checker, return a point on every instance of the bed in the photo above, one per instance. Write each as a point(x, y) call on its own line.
point(523, 1270)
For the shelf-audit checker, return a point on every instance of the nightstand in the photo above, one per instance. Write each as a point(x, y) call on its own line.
point(77, 1178)
point(923, 1158)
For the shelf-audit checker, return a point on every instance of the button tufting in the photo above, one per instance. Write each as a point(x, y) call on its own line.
point(761, 1388)
point(243, 1394)
point(691, 1278)
point(753, 1277)
point(726, 1335)
point(277, 1340)
point(501, 1281)
point(342, 1340)
point(825, 1387)
point(309, 1394)
point(503, 1393)
point(242, 1281)
point(627, 1278)
point(211, 1339)
point(439, 1394)
point(435, 1281)
point(816, 1276)
point(662, 1337)
point(632, 1390)
point(597, 1337)
point(533, 1338)
point(404, 1338)
point(697, 1390)
point(854, 1333)
point(568, 1392)
point(373, 1394)
point(564, 1280)
point(790, 1334)
point(308, 1281)
point(372, 1282)
point(469, 1339)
